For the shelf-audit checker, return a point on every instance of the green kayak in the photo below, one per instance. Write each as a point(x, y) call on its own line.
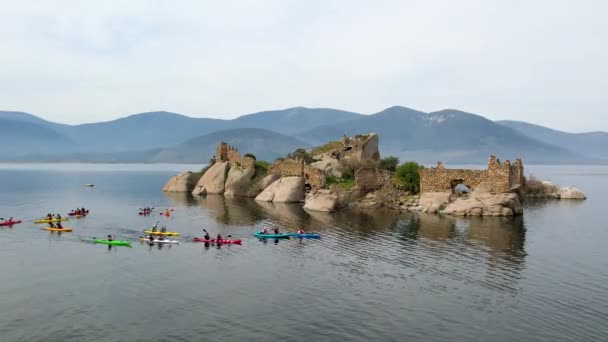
point(113, 242)
point(271, 236)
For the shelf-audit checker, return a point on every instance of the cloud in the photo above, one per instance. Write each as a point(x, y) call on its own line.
point(81, 61)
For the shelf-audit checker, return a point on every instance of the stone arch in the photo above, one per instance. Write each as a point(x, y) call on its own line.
point(455, 185)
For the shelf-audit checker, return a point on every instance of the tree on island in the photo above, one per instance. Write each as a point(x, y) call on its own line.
point(406, 176)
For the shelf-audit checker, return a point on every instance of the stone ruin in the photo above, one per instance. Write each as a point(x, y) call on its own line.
point(498, 177)
point(227, 153)
point(313, 178)
point(358, 148)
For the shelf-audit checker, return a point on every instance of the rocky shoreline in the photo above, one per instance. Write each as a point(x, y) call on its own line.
point(498, 191)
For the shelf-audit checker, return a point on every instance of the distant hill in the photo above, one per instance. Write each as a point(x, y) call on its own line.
point(294, 120)
point(592, 144)
point(448, 135)
point(21, 137)
point(264, 144)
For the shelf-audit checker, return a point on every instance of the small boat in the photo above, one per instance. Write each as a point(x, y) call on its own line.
point(89, 185)
point(73, 213)
point(9, 223)
point(113, 242)
point(272, 236)
point(306, 235)
point(161, 233)
point(219, 242)
point(51, 220)
point(158, 241)
point(51, 229)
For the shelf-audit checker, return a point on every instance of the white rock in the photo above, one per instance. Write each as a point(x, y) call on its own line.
point(571, 192)
point(284, 190)
point(321, 200)
point(184, 182)
point(212, 182)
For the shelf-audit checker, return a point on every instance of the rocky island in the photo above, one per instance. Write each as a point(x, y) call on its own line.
point(349, 173)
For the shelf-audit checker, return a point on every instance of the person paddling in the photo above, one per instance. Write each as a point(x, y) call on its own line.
point(207, 236)
point(110, 238)
point(151, 238)
point(163, 229)
point(265, 230)
point(276, 230)
point(59, 225)
point(301, 231)
point(218, 238)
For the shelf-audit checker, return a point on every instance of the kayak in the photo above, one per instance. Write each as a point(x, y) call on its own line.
point(158, 241)
point(144, 213)
point(74, 213)
point(9, 223)
point(89, 185)
point(113, 242)
point(166, 214)
point(53, 220)
point(306, 235)
point(57, 229)
point(224, 241)
point(272, 236)
point(161, 233)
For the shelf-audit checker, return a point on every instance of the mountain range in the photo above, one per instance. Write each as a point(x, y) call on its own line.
point(449, 135)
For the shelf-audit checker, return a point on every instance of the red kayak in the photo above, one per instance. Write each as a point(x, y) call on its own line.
point(144, 213)
point(73, 213)
point(237, 242)
point(9, 223)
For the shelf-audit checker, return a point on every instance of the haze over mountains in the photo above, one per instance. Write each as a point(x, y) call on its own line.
point(449, 135)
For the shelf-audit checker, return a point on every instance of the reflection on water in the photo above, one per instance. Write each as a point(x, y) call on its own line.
point(501, 237)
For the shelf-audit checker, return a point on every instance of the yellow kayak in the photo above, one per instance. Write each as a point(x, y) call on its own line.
point(49, 221)
point(161, 233)
point(58, 229)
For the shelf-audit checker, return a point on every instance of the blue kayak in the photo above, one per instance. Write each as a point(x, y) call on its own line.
point(272, 236)
point(306, 235)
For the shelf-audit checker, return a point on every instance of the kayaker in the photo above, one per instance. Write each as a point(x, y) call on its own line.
point(51, 225)
point(163, 229)
point(161, 238)
point(207, 236)
point(265, 230)
point(218, 238)
point(151, 238)
point(300, 231)
point(59, 225)
point(110, 238)
point(49, 216)
point(83, 212)
point(276, 230)
point(154, 228)
point(58, 216)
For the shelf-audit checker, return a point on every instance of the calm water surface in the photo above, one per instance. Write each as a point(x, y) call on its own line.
point(375, 275)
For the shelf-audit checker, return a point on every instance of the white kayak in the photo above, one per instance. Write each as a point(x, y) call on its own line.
point(158, 241)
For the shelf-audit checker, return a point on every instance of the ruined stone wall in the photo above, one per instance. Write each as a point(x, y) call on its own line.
point(498, 177)
point(314, 177)
point(370, 179)
point(287, 167)
point(360, 147)
point(295, 167)
point(227, 153)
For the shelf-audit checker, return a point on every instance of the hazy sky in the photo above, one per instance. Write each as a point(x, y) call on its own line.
point(80, 61)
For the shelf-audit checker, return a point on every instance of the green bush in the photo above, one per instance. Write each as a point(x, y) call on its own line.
point(389, 163)
point(406, 176)
point(261, 165)
point(249, 155)
point(343, 183)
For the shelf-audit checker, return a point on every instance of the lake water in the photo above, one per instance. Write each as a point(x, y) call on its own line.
point(374, 275)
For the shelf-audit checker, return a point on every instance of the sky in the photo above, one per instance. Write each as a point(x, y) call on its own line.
point(542, 61)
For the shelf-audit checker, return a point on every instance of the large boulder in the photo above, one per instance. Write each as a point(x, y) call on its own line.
point(284, 190)
point(370, 149)
point(327, 163)
point(213, 181)
point(321, 200)
point(432, 202)
point(184, 182)
point(486, 204)
point(238, 182)
point(571, 192)
point(269, 179)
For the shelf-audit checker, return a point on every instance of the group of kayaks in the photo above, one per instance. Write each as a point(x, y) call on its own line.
point(156, 236)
